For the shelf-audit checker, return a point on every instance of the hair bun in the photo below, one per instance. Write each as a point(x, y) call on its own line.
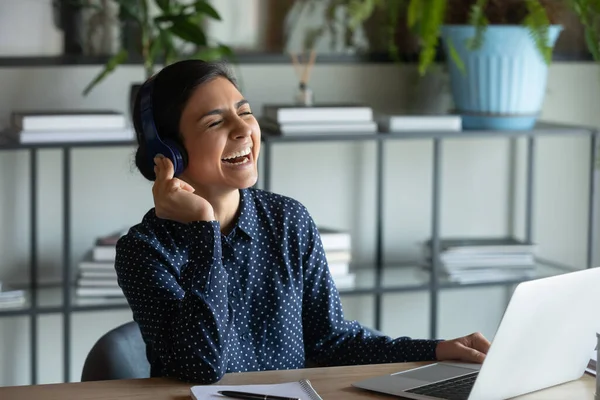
point(141, 162)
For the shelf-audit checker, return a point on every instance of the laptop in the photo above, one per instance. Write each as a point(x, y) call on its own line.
point(545, 338)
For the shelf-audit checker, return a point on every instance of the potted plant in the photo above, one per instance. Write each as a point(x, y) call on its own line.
point(498, 51)
point(173, 32)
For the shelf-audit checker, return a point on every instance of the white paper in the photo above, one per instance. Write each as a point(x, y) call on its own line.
point(289, 389)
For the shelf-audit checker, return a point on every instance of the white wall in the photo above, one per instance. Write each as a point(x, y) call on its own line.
point(107, 193)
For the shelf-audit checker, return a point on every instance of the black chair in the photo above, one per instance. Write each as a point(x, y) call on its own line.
point(119, 354)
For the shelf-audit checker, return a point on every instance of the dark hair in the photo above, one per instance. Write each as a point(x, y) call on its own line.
point(173, 86)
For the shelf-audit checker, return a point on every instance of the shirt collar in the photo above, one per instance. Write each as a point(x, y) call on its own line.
point(247, 220)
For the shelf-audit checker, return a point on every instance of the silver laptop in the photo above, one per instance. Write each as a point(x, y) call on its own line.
point(545, 338)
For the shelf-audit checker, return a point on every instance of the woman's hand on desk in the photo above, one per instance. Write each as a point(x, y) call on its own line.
point(472, 348)
point(174, 199)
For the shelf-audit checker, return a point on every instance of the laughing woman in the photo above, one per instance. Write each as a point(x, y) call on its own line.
point(222, 277)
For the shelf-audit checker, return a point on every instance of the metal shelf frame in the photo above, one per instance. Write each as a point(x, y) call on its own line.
point(269, 140)
point(437, 138)
point(256, 57)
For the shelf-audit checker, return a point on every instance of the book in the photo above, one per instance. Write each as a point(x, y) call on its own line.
point(61, 120)
point(105, 248)
point(591, 367)
point(334, 239)
point(301, 389)
point(326, 112)
point(412, 123)
point(97, 274)
point(71, 136)
point(319, 128)
point(11, 298)
point(99, 292)
point(486, 245)
point(93, 282)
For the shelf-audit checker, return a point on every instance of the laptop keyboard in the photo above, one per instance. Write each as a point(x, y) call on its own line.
point(452, 389)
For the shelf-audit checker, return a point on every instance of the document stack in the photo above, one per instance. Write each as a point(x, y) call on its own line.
point(11, 297)
point(337, 247)
point(97, 276)
point(466, 260)
point(56, 126)
point(320, 119)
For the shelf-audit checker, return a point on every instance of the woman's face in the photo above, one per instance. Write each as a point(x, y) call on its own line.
point(222, 138)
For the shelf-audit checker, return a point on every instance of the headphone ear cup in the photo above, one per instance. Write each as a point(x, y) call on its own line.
point(178, 156)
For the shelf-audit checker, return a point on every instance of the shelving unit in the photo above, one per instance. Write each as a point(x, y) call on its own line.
point(414, 276)
point(375, 279)
point(251, 57)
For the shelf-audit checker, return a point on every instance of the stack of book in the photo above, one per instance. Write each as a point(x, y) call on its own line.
point(468, 260)
point(407, 122)
point(319, 119)
point(96, 274)
point(337, 247)
point(591, 367)
point(11, 297)
point(52, 126)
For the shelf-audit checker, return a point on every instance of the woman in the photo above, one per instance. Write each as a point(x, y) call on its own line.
point(222, 277)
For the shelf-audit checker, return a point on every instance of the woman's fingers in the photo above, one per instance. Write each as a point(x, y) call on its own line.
point(168, 167)
point(186, 186)
point(164, 168)
point(479, 342)
point(164, 172)
point(470, 354)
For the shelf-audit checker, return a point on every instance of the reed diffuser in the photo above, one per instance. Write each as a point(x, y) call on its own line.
point(304, 95)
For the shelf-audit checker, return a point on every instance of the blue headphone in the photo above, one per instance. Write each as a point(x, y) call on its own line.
point(154, 144)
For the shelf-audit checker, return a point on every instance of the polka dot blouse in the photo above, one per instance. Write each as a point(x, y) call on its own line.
point(259, 298)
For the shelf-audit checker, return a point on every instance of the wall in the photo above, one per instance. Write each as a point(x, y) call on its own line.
point(107, 193)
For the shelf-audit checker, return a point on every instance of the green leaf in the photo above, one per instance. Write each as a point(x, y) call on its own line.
point(478, 19)
point(588, 12)
point(183, 28)
point(167, 46)
point(592, 43)
point(433, 17)
point(455, 56)
point(359, 11)
point(130, 9)
point(415, 10)
point(537, 23)
point(226, 51)
point(164, 5)
point(208, 54)
point(188, 31)
point(110, 66)
point(155, 48)
point(214, 53)
point(171, 17)
point(392, 26)
point(203, 7)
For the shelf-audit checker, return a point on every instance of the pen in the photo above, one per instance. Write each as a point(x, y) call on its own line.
point(254, 396)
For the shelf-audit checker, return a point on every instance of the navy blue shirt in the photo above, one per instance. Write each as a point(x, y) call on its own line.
point(258, 298)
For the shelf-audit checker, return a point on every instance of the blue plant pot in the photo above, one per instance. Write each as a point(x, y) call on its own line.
point(504, 81)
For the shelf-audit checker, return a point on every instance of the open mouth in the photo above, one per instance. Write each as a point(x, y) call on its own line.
point(239, 157)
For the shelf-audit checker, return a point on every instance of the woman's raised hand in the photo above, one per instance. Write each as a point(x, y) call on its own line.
point(174, 199)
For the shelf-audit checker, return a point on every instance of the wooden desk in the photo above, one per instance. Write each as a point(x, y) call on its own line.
point(331, 383)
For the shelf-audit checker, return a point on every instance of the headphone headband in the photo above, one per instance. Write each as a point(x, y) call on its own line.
point(150, 134)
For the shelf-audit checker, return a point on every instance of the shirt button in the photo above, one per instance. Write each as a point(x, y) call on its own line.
point(245, 336)
point(234, 294)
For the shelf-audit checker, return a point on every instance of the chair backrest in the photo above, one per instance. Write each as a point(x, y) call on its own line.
point(119, 354)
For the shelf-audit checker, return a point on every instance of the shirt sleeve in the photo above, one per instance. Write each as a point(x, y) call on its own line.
point(177, 290)
point(331, 340)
